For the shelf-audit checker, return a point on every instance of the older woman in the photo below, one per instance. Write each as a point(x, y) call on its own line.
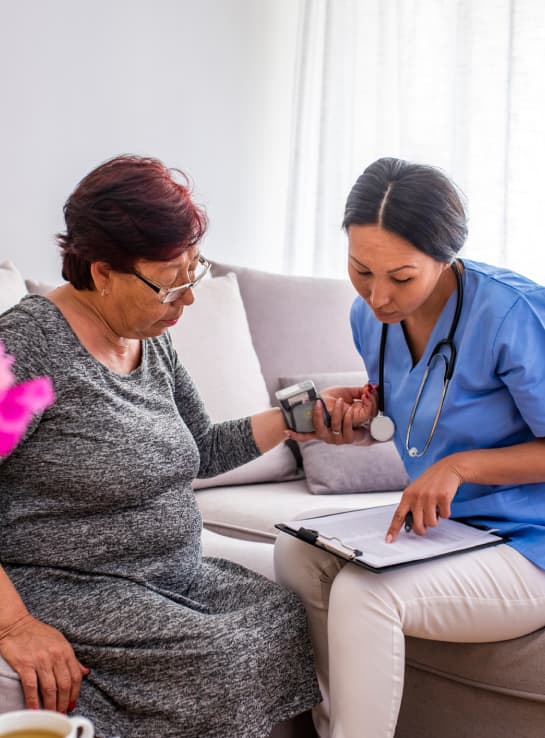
point(458, 349)
point(100, 531)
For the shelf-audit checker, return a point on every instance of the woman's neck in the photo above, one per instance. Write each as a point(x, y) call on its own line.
point(90, 323)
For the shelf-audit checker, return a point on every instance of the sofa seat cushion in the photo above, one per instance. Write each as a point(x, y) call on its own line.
point(11, 691)
point(254, 555)
point(514, 667)
point(250, 511)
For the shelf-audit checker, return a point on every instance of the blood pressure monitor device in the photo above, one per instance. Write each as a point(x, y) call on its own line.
point(297, 402)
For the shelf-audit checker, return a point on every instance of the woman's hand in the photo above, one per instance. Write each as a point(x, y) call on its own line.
point(428, 498)
point(349, 408)
point(45, 662)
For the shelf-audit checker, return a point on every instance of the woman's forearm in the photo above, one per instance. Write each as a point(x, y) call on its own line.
point(520, 464)
point(12, 607)
point(269, 428)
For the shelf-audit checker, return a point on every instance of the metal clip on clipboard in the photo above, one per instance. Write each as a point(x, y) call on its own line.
point(319, 539)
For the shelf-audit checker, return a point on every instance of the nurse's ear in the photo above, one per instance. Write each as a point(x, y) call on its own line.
point(446, 266)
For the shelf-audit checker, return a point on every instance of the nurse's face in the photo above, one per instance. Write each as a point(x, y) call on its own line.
point(394, 278)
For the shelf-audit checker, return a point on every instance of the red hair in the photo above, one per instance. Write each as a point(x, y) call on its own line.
point(128, 208)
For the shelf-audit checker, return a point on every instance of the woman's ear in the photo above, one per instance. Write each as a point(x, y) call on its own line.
point(101, 273)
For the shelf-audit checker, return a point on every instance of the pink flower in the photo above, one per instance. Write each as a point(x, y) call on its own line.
point(19, 402)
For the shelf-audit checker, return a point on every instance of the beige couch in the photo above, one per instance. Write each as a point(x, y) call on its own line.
point(243, 337)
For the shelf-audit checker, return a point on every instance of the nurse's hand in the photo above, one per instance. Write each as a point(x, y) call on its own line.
point(428, 498)
point(349, 408)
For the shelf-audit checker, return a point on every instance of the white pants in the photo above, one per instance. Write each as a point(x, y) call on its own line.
point(358, 620)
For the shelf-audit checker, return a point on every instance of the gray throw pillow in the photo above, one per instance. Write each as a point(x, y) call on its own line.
point(341, 469)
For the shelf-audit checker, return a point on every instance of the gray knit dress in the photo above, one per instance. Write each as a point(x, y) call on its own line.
point(100, 534)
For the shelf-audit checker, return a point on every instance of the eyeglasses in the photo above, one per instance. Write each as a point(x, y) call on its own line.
point(173, 293)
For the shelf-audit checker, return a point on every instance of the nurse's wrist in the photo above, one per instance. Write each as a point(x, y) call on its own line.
point(460, 464)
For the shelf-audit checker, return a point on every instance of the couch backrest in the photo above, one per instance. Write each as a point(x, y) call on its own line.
point(299, 325)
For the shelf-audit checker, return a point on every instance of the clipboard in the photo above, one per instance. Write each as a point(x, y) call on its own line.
point(358, 536)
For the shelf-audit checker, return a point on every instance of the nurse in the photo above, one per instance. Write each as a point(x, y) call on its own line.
point(472, 443)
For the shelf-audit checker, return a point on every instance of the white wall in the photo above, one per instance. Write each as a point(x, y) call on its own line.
point(205, 86)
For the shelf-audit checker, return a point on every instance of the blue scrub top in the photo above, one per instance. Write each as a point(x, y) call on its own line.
point(496, 396)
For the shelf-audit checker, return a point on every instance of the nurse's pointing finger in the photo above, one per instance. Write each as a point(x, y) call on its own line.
point(398, 521)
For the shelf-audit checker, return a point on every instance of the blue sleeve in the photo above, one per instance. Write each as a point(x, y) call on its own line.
point(519, 351)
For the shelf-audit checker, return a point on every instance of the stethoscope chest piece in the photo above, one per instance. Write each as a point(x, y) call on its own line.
point(382, 428)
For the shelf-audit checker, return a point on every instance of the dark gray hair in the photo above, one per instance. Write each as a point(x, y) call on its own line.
point(415, 201)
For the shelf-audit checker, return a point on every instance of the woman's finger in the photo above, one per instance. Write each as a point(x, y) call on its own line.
point(48, 688)
point(77, 672)
point(29, 682)
point(63, 678)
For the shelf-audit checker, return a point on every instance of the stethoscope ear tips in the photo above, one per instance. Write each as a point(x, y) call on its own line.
point(413, 451)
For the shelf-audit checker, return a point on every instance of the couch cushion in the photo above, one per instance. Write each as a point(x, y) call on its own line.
point(251, 511)
point(512, 667)
point(251, 554)
point(12, 285)
point(11, 691)
point(213, 342)
point(39, 288)
point(298, 324)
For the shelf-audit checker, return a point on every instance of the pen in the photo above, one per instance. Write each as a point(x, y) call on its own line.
point(408, 522)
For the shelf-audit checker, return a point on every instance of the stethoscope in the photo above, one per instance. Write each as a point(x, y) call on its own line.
point(382, 427)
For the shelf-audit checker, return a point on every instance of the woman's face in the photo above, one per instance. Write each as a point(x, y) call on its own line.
point(134, 308)
point(394, 278)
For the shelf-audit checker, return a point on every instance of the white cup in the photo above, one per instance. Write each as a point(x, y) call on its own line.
point(55, 722)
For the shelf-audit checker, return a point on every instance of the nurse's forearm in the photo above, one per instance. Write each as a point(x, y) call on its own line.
point(521, 464)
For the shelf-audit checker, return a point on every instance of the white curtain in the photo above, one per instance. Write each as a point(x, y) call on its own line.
point(459, 84)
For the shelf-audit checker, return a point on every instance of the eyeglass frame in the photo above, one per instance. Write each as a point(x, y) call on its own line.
point(177, 291)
